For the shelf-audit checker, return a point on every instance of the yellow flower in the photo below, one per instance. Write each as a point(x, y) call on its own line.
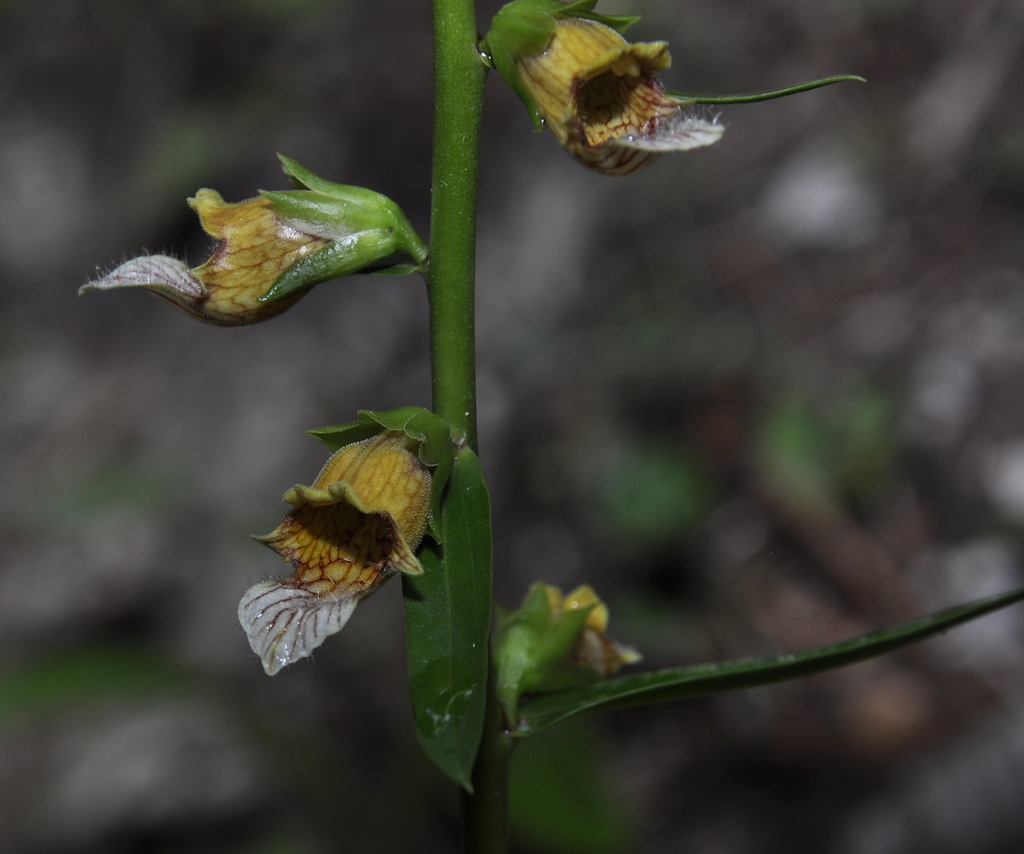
point(592, 649)
point(358, 524)
point(255, 248)
point(552, 643)
point(599, 95)
point(575, 72)
point(274, 247)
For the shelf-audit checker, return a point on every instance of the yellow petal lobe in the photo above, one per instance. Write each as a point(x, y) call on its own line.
point(255, 248)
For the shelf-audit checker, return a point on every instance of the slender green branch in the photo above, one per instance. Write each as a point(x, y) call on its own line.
point(767, 96)
point(458, 99)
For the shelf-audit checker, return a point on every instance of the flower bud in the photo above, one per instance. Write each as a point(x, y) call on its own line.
point(356, 526)
point(255, 247)
point(597, 92)
point(554, 642)
point(273, 248)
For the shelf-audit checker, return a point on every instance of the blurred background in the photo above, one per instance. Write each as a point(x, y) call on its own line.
point(762, 396)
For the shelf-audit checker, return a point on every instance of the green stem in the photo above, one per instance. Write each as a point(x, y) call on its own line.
point(458, 102)
point(459, 77)
point(485, 826)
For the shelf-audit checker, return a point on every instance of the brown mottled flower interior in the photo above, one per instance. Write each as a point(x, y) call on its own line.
point(335, 549)
point(611, 106)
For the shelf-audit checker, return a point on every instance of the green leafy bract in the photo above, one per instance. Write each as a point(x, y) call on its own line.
point(748, 98)
point(447, 618)
point(365, 229)
point(681, 682)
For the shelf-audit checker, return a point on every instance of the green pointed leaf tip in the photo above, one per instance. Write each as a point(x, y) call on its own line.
point(447, 618)
point(301, 177)
point(679, 683)
point(430, 431)
point(766, 96)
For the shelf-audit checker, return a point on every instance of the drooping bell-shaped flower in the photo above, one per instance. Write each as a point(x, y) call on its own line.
point(597, 92)
point(356, 526)
point(271, 249)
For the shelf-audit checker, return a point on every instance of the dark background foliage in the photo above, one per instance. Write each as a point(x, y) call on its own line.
point(763, 396)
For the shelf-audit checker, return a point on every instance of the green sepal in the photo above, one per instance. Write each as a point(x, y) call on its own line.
point(303, 179)
point(686, 98)
point(679, 683)
point(525, 27)
point(532, 650)
point(330, 262)
point(331, 217)
point(364, 227)
point(447, 618)
point(585, 9)
point(430, 432)
point(521, 28)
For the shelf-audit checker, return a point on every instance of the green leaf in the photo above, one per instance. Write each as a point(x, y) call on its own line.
point(447, 618)
point(681, 682)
